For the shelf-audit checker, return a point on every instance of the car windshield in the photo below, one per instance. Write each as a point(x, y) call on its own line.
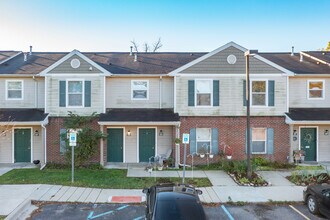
point(179, 209)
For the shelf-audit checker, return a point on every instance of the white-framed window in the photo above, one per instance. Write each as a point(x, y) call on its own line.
point(14, 89)
point(259, 140)
point(315, 89)
point(203, 140)
point(75, 95)
point(259, 93)
point(140, 89)
point(203, 91)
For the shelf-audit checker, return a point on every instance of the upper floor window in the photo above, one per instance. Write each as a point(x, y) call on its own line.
point(315, 89)
point(259, 93)
point(203, 92)
point(75, 93)
point(14, 89)
point(140, 89)
point(259, 140)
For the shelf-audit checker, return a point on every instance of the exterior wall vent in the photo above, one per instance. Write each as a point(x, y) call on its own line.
point(135, 57)
point(301, 58)
point(25, 57)
point(292, 51)
point(131, 52)
point(30, 51)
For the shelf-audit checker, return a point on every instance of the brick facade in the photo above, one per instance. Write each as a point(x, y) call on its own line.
point(232, 131)
point(53, 141)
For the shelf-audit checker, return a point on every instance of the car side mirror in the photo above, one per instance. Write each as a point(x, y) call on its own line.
point(199, 192)
point(145, 190)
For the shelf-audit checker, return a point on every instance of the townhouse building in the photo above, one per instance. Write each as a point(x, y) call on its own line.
point(147, 100)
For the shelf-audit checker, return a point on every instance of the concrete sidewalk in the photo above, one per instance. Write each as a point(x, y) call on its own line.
point(224, 189)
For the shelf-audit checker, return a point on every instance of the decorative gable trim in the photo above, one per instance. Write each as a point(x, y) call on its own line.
point(66, 57)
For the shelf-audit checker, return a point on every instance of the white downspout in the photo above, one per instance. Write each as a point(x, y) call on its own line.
point(45, 143)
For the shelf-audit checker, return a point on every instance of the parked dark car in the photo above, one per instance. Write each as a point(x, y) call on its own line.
point(174, 202)
point(317, 198)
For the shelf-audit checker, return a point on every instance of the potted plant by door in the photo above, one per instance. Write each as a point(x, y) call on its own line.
point(177, 141)
point(229, 152)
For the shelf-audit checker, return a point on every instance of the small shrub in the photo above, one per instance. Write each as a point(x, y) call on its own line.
point(260, 161)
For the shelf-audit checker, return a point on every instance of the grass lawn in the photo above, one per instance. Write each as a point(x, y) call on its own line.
point(105, 178)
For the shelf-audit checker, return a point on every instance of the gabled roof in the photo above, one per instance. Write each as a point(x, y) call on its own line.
point(36, 63)
point(114, 62)
point(293, 63)
point(72, 53)
point(230, 44)
point(7, 55)
point(322, 55)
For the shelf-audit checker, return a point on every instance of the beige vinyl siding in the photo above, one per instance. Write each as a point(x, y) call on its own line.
point(231, 98)
point(52, 94)
point(131, 142)
point(6, 146)
point(118, 93)
point(41, 93)
point(298, 93)
point(37, 143)
point(218, 64)
point(84, 67)
point(29, 94)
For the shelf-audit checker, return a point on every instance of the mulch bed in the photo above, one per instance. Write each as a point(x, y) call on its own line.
point(242, 180)
point(309, 179)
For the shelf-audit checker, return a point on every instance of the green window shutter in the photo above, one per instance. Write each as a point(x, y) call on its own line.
point(191, 92)
point(88, 91)
point(270, 140)
point(244, 92)
point(216, 96)
point(62, 140)
point(271, 93)
point(62, 93)
point(246, 140)
point(192, 137)
point(215, 136)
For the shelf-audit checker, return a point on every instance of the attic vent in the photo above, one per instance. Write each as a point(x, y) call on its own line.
point(231, 59)
point(75, 63)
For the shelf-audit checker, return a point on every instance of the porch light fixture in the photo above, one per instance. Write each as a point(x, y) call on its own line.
point(326, 132)
point(295, 133)
point(36, 133)
point(161, 133)
point(129, 133)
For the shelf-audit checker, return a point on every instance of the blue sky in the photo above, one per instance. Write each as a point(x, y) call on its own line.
point(100, 25)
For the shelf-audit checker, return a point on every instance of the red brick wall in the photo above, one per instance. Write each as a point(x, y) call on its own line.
point(53, 141)
point(232, 131)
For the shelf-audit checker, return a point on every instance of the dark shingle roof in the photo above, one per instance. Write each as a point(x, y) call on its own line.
point(322, 55)
point(7, 54)
point(116, 62)
point(309, 114)
point(22, 115)
point(139, 115)
point(292, 63)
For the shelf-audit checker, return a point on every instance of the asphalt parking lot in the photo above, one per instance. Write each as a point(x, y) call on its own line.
point(135, 212)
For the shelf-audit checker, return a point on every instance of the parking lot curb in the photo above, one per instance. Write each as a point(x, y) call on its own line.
point(25, 208)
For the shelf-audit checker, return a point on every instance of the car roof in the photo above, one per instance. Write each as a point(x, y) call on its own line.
point(175, 196)
point(176, 188)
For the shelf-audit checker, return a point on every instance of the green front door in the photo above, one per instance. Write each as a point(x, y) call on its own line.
point(115, 142)
point(308, 143)
point(22, 145)
point(146, 144)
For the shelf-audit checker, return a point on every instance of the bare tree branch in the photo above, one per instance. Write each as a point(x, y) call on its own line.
point(135, 45)
point(157, 45)
point(146, 47)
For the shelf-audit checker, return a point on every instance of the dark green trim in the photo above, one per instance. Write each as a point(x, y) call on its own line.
point(191, 92)
point(88, 91)
point(216, 95)
point(62, 94)
point(271, 93)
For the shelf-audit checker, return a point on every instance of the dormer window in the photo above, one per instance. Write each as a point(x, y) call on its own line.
point(14, 89)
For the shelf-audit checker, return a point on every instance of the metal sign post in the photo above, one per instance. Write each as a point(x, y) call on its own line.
point(72, 143)
point(185, 141)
